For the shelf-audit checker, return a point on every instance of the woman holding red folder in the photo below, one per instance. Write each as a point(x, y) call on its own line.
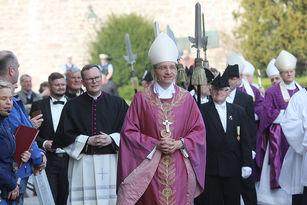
point(9, 187)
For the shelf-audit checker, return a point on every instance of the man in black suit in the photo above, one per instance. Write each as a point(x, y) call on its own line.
point(237, 97)
point(51, 109)
point(228, 149)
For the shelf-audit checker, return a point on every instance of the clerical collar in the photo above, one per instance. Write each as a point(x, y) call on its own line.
point(231, 96)
point(223, 105)
point(162, 93)
point(94, 97)
point(291, 86)
point(55, 100)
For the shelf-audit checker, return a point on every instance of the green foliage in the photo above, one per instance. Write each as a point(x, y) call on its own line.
point(269, 26)
point(111, 40)
point(127, 92)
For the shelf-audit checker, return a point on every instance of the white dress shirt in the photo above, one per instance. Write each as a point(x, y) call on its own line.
point(202, 100)
point(56, 110)
point(231, 97)
point(222, 111)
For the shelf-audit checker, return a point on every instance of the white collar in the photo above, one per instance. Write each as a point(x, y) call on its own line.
point(291, 86)
point(94, 97)
point(220, 106)
point(233, 94)
point(61, 99)
point(202, 100)
point(162, 93)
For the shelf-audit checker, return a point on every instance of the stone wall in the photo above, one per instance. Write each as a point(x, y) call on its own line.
point(43, 32)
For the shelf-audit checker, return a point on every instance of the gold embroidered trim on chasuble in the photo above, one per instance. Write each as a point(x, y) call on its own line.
point(166, 112)
point(166, 168)
point(166, 173)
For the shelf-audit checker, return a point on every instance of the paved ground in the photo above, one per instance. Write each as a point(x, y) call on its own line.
point(31, 200)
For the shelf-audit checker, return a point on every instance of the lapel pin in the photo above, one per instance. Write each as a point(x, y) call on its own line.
point(230, 117)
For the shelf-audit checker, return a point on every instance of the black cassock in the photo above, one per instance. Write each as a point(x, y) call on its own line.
point(227, 152)
point(85, 116)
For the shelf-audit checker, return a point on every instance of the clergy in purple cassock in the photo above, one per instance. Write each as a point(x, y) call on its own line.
point(162, 151)
point(271, 142)
point(272, 72)
point(249, 88)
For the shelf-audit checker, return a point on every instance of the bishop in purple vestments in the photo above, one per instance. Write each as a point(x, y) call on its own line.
point(275, 102)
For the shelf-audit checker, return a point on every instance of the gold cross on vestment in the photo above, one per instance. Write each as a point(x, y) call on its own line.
point(166, 123)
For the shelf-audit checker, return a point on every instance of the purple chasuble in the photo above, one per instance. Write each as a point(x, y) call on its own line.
point(163, 179)
point(272, 133)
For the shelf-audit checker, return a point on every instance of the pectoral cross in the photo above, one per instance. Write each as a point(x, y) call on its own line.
point(166, 123)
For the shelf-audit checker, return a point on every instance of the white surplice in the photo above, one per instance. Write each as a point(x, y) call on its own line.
point(294, 126)
point(92, 178)
point(266, 195)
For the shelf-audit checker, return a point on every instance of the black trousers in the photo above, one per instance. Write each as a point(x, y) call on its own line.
point(56, 171)
point(305, 196)
point(220, 191)
point(297, 199)
point(248, 191)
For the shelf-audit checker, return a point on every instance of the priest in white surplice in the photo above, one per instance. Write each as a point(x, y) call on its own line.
point(293, 175)
point(89, 132)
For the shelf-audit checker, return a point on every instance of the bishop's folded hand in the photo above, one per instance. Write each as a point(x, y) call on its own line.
point(168, 145)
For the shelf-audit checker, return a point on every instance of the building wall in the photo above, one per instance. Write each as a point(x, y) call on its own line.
point(42, 32)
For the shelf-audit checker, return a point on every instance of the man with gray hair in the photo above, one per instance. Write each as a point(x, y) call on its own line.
point(229, 154)
point(9, 71)
point(74, 85)
point(26, 95)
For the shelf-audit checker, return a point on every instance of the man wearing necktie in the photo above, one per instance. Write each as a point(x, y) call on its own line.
point(57, 165)
point(229, 153)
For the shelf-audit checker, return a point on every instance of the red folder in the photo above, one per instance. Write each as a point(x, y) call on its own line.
point(24, 137)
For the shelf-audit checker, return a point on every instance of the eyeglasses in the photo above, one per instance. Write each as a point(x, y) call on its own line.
point(164, 68)
point(97, 78)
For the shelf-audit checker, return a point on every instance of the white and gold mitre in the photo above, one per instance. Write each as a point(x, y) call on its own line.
point(163, 49)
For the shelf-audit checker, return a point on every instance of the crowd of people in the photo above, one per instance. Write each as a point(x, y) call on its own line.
point(163, 148)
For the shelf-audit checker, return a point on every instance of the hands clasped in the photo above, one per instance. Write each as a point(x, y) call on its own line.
point(100, 140)
point(168, 145)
